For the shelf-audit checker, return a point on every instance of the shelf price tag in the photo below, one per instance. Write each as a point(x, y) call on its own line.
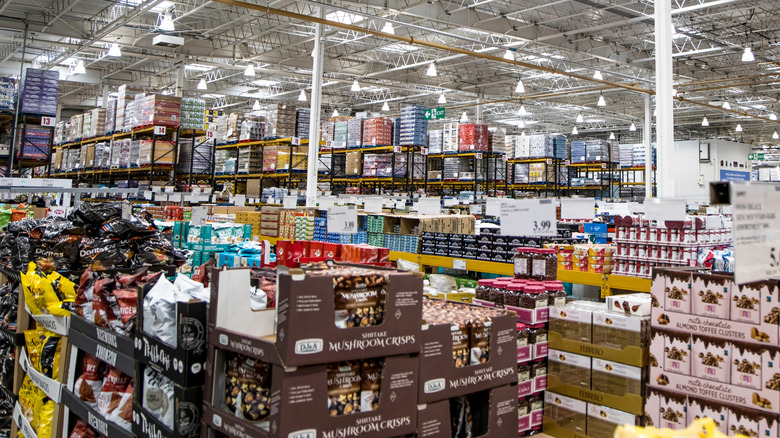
point(528, 217)
point(505, 158)
point(475, 209)
point(372, 205)
point(342, 219)
point(159, 130)
point(199, 215)
point(459, 264)
point(290, 201)
point(756, 228)
point(48, 121)
point(567, 162)
point(296, 141)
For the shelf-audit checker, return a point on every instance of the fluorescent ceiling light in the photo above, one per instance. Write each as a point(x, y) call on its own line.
point(773, 117)
point(167, 23)
point(385, 107)
point(442, 99)
point(574, 131)
point(388, 28)
point(775, 136)
point(250, 70)
point(335, 113)
point(747, 55)
point(726, 105)
point(302, 96)
point(597, 75)
point(508, 55)
point(431, 70)
point(79, 70)
point(521, 124)
point(520, 88)
point(256, 106)
point(738, 128)
point(355, 86)
point(579, 118)
point(601, 101)
point(464, 118)
point(115, 51)
point(264, 83)
point(198, 67)
point(611, 135)
point(632, 128)
point(705, 122)
point(202, 84)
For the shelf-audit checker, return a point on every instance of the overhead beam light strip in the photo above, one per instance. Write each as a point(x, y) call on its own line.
point(439, 46)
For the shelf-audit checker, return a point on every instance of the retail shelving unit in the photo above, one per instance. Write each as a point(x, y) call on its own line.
point(338, 179)
point(31, 154)
point(197, 153)
point(632, 177)
point(291, 177)
point(483, 165)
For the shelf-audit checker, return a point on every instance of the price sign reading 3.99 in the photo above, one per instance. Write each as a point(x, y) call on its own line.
point(528, 217)
point(342, 219)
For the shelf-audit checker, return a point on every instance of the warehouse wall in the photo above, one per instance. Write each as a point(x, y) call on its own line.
point(693, 177)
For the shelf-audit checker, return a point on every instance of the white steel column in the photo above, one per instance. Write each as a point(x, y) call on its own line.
point(314, 127)
point(664, 120)
point(647, 138)
point(180, 80)
point(479, 109)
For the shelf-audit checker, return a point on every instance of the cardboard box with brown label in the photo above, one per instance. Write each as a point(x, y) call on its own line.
point(493, 415)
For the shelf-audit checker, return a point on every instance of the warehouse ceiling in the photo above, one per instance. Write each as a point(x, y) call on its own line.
point(481, 48)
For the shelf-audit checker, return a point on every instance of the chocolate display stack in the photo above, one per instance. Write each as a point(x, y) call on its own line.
point(714, 352)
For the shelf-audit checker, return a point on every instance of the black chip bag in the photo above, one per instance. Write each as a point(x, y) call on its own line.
point(104, 254)
point(119, 228)
point(155, 252)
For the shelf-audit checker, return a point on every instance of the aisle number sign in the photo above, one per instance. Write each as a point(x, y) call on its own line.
point(434, 113)
point(48, 121)
point(159, 130)
point(528, 217)
point(756, 228)
point(342, 219)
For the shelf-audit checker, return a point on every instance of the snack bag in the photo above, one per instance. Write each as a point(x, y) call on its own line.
point(122, 414)
point(45, 419)
point(30, 399)
point(82, 430)
point(88, 385)
point(114, 384)
point(158, 396)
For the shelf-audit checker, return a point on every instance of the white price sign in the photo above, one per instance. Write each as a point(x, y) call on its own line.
point(342, 219)
point(148, 195)
point(397, 149)
point(48, 121)
point(756, 230)
point(199, 215)
point(290, 201)
point(239, 200)
point(478, 155)
point(429, 206)
point(159, 130)
point(528, 217)
point(373, 205)
point(459, 264)
point(578, 208)
point(475, 208)
point(210, 134)
point(326, 202)
point(424, 151)
point(169, 189)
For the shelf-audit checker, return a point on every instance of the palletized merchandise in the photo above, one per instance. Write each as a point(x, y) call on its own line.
point(435, 141)
point(86, 124)
point(125, 95)
point(131, 115)
point(280, 120)
point(158, 109)
point(414, 127)
point(327, 131)
point(221, 160)
point(252, 130)
point(353, 163)
point(626, 155)
point(397, 131)
point(340, 134)
point(472, 137)
point(269, 158)
point(109, 121)
point(97, 125)
point(39, 89)
point(134, 153)
point(640, 156)
point(192, 113)
point(522, 146)
point(302, 122)
point(102, 155)
point(377, 165)
point(449, 138)
point(354, 132)
point(33, 143)
point(497, 140)
point(451, 168)
point(769, 174)
point(377, 132)
point(163, 152)
point(74, 158)
point(250, 159)
point(324, 163)
point(60, 132)
point(7, 93)
point(201, 158)
point(542, 146)
point(75, 127)
point(560, 147)
point(578, 152)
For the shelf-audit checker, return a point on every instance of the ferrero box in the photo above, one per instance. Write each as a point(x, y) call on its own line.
point(708, 303)
point(370, 397)
point(465, 349)
point(602, 420)
point(338, 313)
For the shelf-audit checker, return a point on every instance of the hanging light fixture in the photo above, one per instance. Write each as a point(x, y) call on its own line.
point(611, 135)
point(335, 113)
point(523, 111)
point(738, 128)
point(302, 96)
point(385, 107)
point(202, 84)
point(431, 70)
point(773, 117)
point(705, 122)
point(601, 101)
point(521, 124)
point(508, 55)
point(597, 75)
point(256, 106)
point(579, 118)
point(726, 105)
point(520, 88)
point(80, 70)
point(167, 23)
point(775, 136)
point(115, 51)
point(632, 128)
point(574, 131)
point(388, 28)
point(442, 99)
point(747, 55)
point(355, 85)
point(249, 70)
point(464, 118)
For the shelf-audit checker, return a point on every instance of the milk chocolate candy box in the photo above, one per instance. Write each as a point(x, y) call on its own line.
point(710, 358)
point(711, 294)
point(719, 412)
point(677, 353)
point(673, 411)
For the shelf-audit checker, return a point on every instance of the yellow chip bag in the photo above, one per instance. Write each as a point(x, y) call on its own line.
point(31, 400)
point(45, 419)
point(65, 291)
point(33, 340)
point(29, 297)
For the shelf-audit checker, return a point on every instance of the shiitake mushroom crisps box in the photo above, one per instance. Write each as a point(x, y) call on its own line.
point(322, 316)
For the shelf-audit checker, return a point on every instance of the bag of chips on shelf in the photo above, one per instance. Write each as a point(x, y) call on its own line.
point(89, 384)
point(82, 430)
point(84, 295)
point(31, 399)
point(45, 419)
point(43, 351)
point(158, 396)
point(114, 384)
point(122, 412)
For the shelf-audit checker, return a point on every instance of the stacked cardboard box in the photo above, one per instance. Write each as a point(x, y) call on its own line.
point(125, 95)
point(327, 131)
point(414, 126)
point(269, 158)
point(340, 134)
point(377, 132)
point(473, 137)
point(497, 141)
point(253, 218)
point(354, 133)
point(435, 141)
point(450, 133)
point(163, 152)
point(33, 142)
point(302, 122)
point(75, 127)
point(521, 146)
point(192, 113)
point(109, 121)
point(252, 129)
point(353, 163)
point(38, 94)
point(280, 120)
point(377, 165)
point(60, 132)
point(7, 93)
point(97, 123)
point(210, 118)
point(250, 159)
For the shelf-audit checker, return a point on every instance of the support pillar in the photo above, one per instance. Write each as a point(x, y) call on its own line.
point(103, 99)
point(479, 109)
point(664, 128)
point(180, 80)
point(647, 139)
point(314, 127)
